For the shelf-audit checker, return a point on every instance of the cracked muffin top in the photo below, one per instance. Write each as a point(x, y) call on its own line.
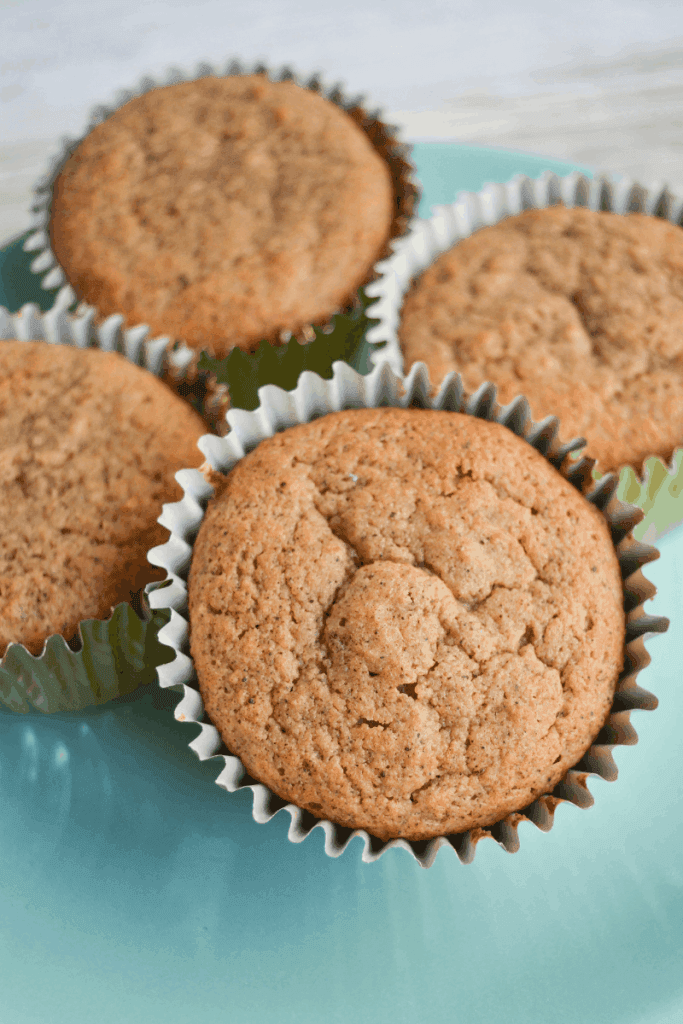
point(580, 311)
point(89, 445)
point(404, 620)
point(223, 211)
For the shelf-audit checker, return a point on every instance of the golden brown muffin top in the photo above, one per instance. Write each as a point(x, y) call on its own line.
point(222, 211)
point(89, 445)
point(404, 621)
point(580, 311)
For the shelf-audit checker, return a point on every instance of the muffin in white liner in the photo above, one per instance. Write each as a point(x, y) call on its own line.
point(383, 138)
point(657, 482)
point(108, 657)
point(315, 397)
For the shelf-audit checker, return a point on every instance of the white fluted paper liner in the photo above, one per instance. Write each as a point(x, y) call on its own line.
point(314, 397)
point(428, 239)
point(60, 327)
point(384, 138)
point(116, 654)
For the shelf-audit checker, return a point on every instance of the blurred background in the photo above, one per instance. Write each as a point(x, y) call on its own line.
point(597, 82)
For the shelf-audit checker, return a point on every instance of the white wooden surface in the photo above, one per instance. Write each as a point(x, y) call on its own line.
point(596, 81)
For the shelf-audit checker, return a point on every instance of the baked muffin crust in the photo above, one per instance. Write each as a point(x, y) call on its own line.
point(89, 444)
point(580, 311)
point(404, 621)
point(222, 211)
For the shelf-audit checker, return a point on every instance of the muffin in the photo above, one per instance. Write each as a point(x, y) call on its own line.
point(405, 621)
point(89, 445)
point(223, 211)
point(581, 311)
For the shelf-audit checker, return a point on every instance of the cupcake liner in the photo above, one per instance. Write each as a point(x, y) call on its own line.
point(200, 387)
point(111, 657)
point(347, 389)
point(382, 136)
point(657, 491)
point(428, 239)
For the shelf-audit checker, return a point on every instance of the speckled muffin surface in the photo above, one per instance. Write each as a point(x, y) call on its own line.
point(580, 311)
point(222, 211)
point(404, 621)
point(89, 444)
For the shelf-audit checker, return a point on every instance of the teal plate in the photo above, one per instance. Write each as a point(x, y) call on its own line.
point(132, 889)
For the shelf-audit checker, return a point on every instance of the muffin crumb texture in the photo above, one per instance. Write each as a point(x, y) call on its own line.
point(405, 621)
point(89, 444)
point(580, 311)
point(222, 211)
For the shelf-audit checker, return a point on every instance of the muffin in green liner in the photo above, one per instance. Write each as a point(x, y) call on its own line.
point(314, 398)
point(89, 441)
point(237, 203)
point(603, 282)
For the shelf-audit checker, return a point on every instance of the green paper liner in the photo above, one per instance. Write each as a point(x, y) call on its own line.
point(115, 657)
point(197, 383)
point(243, 373)
point(657, 491)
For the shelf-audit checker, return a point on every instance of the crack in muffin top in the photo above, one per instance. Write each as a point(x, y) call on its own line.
point(222, 211)
point(580, 311)
point(404, 620)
